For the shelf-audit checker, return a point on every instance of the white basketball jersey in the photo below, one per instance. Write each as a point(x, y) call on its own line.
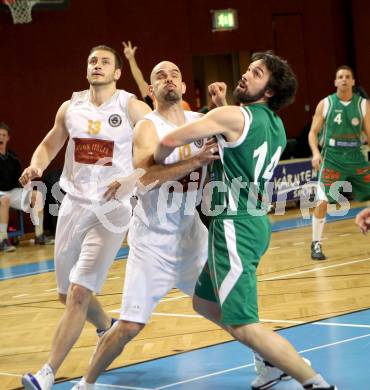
point(99, 147)
point(166, 224)
point(184, 195)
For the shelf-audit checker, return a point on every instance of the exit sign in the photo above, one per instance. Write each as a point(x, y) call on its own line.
point(224, 19)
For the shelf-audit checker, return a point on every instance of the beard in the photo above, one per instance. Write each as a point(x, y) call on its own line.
point(245, 97)
point(172, 97)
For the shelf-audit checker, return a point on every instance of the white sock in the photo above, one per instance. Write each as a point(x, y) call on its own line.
point(317, 228)
point(87, 386)
point(316, 380)
point(3, 231)
point(47, 368)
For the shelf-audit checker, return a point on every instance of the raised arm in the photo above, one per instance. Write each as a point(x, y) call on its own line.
point(145, 143)
point(48, 148)
point(228, 121)
point(137, 74)
point(217, 90)
point(317, 123)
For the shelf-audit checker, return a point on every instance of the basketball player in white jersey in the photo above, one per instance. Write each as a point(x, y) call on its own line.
point(167, 250)
point(99, 124)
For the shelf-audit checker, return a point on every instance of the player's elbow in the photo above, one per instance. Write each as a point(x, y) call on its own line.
point(168, 142)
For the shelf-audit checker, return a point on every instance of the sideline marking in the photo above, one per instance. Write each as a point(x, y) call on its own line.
point(315, 269)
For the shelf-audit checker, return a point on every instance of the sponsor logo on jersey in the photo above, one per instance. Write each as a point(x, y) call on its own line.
point(199, 143)
point(355, 121)
point(93, 151)
point(115, 120)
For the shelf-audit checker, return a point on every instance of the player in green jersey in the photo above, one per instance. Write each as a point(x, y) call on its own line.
point(250, 140)
point(342, 117)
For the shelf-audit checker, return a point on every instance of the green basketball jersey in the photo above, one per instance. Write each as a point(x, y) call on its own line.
point(343, 123)
point(245, 166)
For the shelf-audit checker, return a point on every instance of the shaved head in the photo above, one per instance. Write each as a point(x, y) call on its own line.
point(163, 65)
point(166, 83)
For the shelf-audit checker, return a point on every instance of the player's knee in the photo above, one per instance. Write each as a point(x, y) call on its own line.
point(5, 201)
point(243, 333)
point(62, 298)
point(198, 306)
point(128, 330)
point(207, 309)
point(321, 209)
point(78, 295)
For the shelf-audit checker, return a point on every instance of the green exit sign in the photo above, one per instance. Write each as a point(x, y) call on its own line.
point(224, 19)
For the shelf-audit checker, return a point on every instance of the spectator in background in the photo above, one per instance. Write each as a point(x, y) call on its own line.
point(12, 195)
point(137, 74)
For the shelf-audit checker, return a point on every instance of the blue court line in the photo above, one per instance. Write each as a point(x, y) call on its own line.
point(338, 352)
point(18, 271)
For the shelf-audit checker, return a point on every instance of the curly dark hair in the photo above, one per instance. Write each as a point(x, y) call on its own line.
point(117, 57)
point(282, 83)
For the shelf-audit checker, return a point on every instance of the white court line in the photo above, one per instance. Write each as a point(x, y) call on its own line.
point(315, 269)
point(20, 295)
point(175, 298)
point(8, 374)
point(299, 243)
point(51, 289)
point(118, 386)
point(252, 364)
point(206, 376)
point(274, 321)
point(336, 343)
point(275, 247)
point(345, 235)
point(263, 320)
point(317, 323)
point(232, 369)
point(113, 278)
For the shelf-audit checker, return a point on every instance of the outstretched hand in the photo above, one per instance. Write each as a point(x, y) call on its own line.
point(128, 50)
point(123, 186)
point(208, 154)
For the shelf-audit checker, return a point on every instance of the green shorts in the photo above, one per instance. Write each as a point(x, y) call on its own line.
point(235, 246)
point(340, 167)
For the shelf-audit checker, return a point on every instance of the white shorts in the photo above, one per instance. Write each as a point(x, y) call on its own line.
point(85, 247)
point(20, 198)
point(151, 273)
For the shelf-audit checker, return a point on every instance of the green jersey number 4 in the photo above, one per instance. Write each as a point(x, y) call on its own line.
point(338, 118)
